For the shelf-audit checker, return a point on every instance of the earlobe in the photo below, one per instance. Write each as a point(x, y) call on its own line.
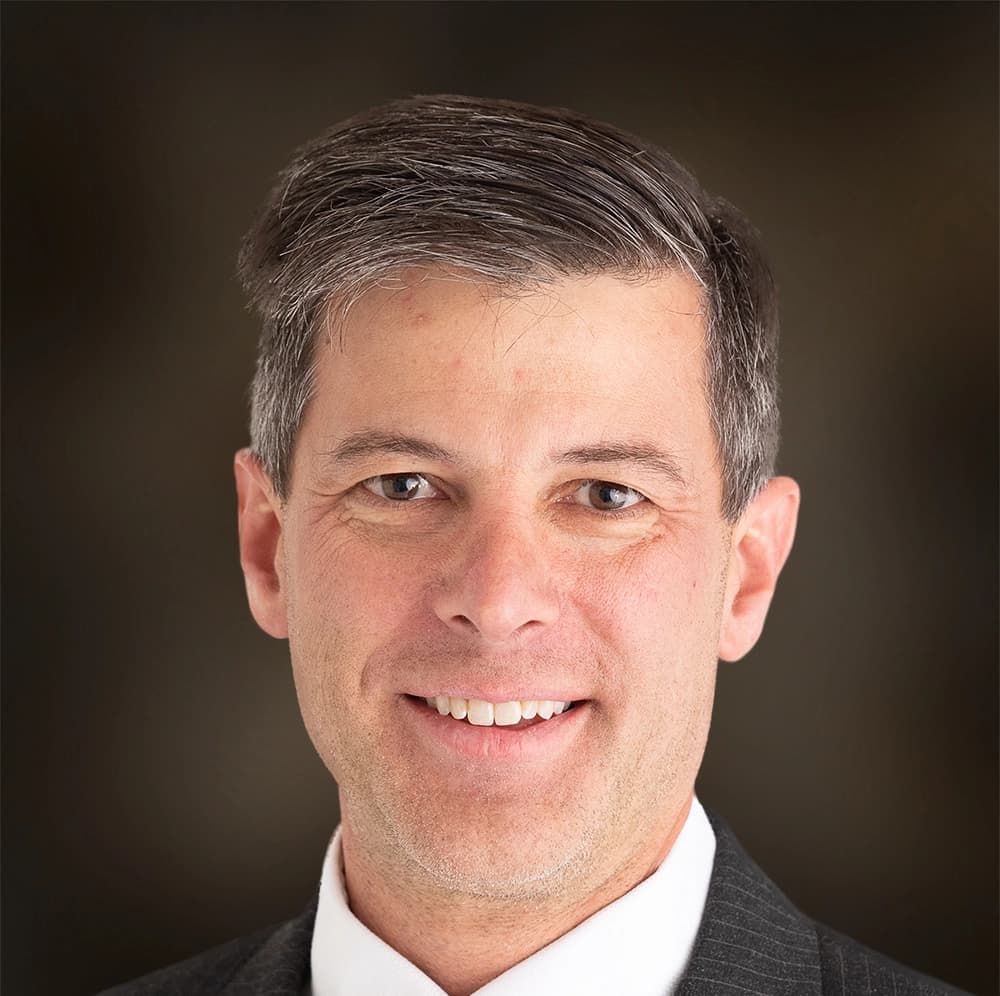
point(259, 513)
point(762, 541)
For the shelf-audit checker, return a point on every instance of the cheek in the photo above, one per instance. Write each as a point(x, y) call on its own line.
point(655, 614)
point(345, 603)
point(663, 588)
point(349, 599)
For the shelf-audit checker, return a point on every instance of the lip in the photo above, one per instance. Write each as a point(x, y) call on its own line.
point(495, 744)
point(496, 694)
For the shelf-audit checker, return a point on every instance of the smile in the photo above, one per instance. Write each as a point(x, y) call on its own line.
point(503, 734)
point(481, 713)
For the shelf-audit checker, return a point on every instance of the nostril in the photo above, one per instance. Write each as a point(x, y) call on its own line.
point(492, 611)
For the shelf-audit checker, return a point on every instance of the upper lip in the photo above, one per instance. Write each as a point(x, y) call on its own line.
point(495, 694)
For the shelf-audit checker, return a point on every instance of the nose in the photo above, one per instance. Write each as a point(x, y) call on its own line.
point(500, 586)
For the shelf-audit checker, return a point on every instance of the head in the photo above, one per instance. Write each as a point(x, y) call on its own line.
point(514, 425)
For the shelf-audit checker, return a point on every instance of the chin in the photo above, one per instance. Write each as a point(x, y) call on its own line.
point(501, 854)
point(500, 870)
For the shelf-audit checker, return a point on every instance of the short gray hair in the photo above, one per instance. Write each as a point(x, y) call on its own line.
point(517, 195)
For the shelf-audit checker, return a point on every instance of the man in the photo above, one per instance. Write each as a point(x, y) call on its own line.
point(510, 499)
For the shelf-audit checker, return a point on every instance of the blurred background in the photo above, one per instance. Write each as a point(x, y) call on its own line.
point(160, 793)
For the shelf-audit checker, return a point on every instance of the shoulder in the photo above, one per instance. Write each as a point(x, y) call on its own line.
point(753, 939)
point(206, 973)
point(850, 969)
point(274, 960)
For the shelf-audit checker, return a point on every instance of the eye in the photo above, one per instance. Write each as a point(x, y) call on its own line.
point(606, 496)
point(400, 487)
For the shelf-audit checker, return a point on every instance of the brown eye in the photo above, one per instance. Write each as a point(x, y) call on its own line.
point(400, 487)
point(606, 496)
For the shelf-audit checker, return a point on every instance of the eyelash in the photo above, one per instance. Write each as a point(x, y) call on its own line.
point(630, 511)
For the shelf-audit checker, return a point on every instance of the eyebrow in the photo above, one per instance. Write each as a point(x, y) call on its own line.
point(642, 455)
point(359, 445)
point(370, 442)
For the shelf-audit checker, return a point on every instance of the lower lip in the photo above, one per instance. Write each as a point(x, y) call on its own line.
point(499, 744)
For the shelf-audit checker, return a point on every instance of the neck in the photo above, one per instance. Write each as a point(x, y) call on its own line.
point(463, 942)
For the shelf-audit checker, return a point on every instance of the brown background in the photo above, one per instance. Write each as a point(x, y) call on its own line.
point(160, 794)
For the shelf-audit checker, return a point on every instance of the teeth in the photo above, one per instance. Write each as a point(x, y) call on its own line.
point(481, 713)
point(507, 713)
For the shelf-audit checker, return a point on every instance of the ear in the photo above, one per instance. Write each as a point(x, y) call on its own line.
point(761, 543)
point(259, 512)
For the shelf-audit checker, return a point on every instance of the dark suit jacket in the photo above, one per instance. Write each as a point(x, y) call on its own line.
point(751, 940)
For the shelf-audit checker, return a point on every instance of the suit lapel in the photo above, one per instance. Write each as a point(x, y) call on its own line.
point(751, 939)
point(280, 966)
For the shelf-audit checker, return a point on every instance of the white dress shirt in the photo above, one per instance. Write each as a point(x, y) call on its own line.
point(640, 944)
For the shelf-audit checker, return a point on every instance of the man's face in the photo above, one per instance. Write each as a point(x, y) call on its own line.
point(444, 536)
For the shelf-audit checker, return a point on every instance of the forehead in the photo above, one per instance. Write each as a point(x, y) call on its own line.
point(587, 358)
point(447, 322)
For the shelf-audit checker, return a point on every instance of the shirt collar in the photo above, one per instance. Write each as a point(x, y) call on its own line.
point(639, 944)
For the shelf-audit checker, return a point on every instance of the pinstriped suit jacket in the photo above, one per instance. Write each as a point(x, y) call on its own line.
point(751, 941)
